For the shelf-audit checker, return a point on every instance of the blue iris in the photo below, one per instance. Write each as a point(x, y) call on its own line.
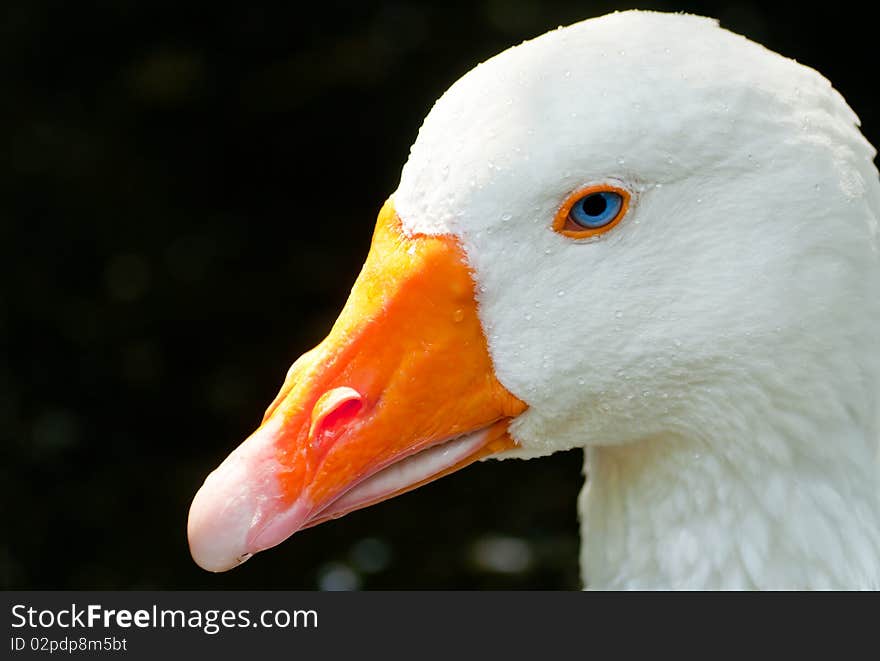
point(596, 209)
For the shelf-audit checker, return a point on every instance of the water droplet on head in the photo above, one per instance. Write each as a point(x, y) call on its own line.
point(506, 217)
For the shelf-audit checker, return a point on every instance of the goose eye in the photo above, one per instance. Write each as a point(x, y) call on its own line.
point(591, 211)
point(596, 209)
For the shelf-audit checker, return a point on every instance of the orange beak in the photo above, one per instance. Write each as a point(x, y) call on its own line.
point(402, 391)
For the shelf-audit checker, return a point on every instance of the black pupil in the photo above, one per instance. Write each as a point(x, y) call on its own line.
point(594, 205)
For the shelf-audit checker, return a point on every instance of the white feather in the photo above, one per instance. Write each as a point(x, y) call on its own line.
point(718, 352)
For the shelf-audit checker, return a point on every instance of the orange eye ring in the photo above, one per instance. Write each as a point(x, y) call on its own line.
point(565, 225)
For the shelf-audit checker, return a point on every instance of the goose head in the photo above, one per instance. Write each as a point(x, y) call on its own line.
point(641, 235)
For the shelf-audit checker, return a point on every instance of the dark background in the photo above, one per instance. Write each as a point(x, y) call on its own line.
point(186, 195)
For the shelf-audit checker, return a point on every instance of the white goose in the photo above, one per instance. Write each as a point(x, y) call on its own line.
point(641, 235)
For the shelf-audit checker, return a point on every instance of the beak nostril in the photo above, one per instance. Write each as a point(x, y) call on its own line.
point(340, 415)
point(332, 411)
